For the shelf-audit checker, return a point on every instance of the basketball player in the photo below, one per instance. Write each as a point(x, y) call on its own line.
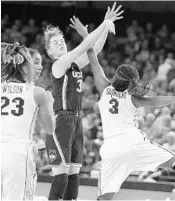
point(65, 149)
point(21, 102)
point(126, 148)
point(37, 61)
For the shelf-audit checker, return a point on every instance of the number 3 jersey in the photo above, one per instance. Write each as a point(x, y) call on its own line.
point(67, 90)
point(18, 111)
point(117, 112)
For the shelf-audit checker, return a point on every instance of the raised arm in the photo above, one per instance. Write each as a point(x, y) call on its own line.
point(83, 60)
point(156, 101)
point(44, 101)
point(101, 81)
point(65, 61)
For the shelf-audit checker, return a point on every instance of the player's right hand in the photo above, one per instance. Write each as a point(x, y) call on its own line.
point(114, 14)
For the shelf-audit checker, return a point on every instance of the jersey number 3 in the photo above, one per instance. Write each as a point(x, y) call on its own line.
point(18, 110)
point(114, 109)
point(79, 88)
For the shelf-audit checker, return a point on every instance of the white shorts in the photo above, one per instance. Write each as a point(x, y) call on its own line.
point(126, 153)
point(18, 172)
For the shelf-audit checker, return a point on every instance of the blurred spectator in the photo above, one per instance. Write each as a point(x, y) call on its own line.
point(164, 69)
point(170, 141)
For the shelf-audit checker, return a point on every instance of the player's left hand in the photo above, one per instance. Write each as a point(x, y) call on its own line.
point(78, 26)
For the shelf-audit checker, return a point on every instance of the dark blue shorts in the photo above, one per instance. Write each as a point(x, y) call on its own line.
point(66, 144)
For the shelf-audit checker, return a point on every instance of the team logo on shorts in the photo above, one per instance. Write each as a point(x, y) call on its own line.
point(52, 155)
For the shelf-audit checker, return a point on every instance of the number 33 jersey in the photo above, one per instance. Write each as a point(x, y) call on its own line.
point(18, 111)
point(117, 112)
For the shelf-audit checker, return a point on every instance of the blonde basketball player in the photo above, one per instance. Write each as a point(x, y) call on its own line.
point(21, 102)
point(67, 80)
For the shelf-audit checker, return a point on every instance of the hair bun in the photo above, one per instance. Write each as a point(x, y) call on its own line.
point(15, 48)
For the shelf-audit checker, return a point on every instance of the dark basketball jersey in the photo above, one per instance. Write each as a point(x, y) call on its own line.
point(67, 90)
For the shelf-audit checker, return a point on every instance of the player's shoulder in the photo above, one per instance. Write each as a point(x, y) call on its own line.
point(39, 94)
point(107, 89)
point(106, 92)
point(59, 67)
point(39, 91)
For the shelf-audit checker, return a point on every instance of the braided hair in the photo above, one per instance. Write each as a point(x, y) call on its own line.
point(13, 58)
point(126, 78)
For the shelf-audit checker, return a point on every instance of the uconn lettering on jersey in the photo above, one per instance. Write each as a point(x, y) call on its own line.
point(118, 94)
point(77, 74)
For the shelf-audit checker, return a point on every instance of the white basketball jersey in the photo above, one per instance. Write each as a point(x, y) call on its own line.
point(18, 111)
point(117, 112)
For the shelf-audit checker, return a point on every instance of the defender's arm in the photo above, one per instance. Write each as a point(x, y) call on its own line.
point(157, 101)
point(101, 81)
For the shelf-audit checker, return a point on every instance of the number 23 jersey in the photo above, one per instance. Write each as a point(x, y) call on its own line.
point(18, 111)
point(117, 112)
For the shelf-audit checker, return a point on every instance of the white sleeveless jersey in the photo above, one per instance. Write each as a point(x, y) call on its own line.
point(18, 111)
point(117, 111)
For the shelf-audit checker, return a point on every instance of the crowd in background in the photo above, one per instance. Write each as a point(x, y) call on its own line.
point(151, 51)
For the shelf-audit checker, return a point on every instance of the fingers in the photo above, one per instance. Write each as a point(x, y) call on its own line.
point(72, 26)
point(74, 18)
point(108, 10)
point(72, 21)
point(118, 18)
point(78, 21)
point(75, 23)
point(114, 13)
point(118, 9)
point(120, 13)
point(113, 7)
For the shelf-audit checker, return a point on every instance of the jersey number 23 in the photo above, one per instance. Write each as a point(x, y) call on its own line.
point(18, 103)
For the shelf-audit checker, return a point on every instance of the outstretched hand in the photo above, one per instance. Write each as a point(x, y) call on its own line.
point(78, 26)
point(114, 14)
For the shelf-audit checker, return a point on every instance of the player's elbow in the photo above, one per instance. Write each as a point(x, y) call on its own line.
point(49, 124)
point(50, 128)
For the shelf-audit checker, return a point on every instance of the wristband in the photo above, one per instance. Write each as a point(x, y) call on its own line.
point(110, 26)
